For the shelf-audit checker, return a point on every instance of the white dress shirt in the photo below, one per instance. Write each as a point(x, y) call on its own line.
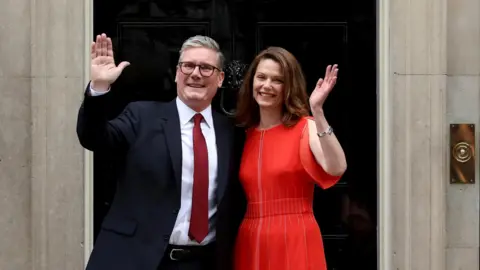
point(180, 231)
point(179, 234)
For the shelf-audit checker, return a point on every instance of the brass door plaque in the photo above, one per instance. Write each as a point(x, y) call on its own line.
point(462, 153)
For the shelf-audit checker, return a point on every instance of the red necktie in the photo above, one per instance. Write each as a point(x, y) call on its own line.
point(199, 218)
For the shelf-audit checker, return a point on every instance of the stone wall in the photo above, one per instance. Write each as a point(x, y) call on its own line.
point(463, 106)
point(42, 51)
point(434, 81)
point(15, 136)
point(418, 124)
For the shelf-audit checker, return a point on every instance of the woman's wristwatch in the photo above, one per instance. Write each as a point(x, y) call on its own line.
point(327, 132)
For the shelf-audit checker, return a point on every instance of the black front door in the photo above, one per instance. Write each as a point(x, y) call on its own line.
point(149, 33)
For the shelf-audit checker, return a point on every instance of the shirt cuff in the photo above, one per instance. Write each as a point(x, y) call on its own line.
point(94, 93)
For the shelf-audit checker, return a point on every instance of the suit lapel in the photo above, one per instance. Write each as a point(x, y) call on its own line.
point(222, 132)
point(174, 141)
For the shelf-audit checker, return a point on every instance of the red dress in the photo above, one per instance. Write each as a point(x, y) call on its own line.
point(278, 173)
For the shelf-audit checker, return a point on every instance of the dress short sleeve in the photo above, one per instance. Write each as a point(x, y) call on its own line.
point(309, 163)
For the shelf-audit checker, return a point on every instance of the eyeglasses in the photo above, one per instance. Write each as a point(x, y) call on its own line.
point(206, 70)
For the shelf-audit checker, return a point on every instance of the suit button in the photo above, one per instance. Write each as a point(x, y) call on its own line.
point(175, 211)
point(166, 237)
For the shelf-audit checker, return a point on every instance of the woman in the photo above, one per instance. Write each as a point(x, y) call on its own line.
point(286, 153)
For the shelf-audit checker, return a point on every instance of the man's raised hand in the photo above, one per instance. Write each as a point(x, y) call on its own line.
point(103, 71)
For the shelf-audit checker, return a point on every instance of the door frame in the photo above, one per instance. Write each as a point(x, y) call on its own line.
point(384, 135)
point(88, 231)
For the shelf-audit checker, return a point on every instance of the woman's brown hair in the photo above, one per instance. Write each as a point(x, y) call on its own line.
point(295, 103)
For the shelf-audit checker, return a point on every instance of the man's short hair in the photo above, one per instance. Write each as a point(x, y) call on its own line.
point(204, 42)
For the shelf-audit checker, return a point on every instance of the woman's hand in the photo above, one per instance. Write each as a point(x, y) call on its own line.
point(323, 88)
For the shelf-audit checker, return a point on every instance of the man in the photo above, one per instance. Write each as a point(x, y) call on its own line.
point(170, 209)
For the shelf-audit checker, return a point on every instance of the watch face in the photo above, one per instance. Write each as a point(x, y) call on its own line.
point(330, 130)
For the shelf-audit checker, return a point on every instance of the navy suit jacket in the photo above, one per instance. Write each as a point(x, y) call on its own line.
point(146, 136)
